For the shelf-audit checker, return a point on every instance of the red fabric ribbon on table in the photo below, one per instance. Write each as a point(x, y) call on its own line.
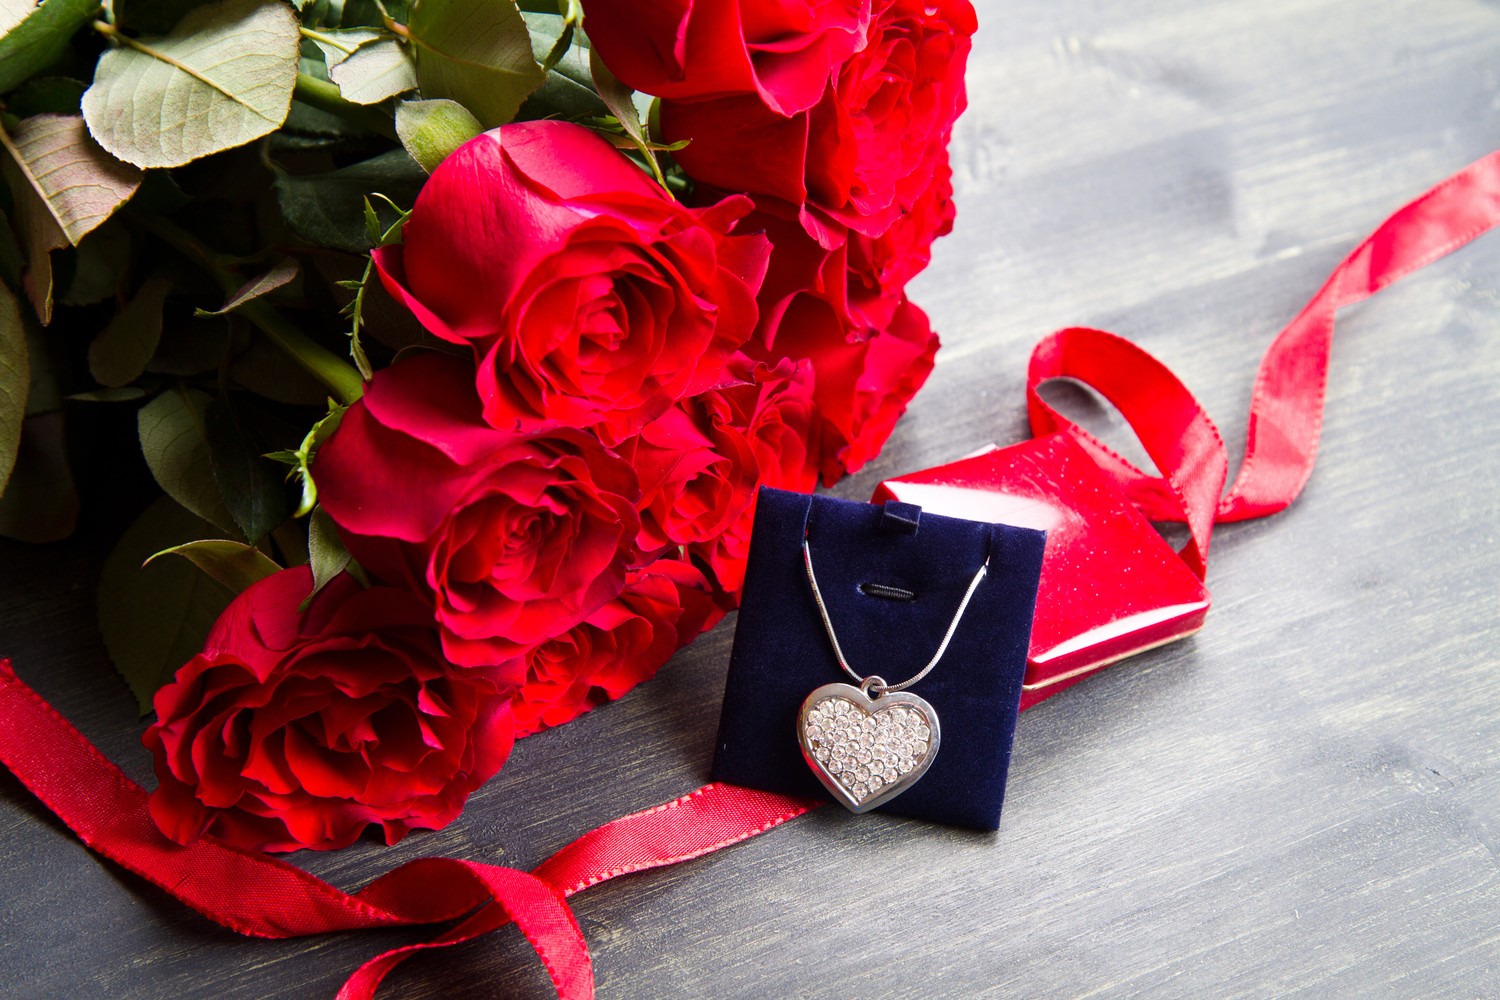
point(258, 895)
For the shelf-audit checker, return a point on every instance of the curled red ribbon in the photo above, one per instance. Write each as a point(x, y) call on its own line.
point(257, 895)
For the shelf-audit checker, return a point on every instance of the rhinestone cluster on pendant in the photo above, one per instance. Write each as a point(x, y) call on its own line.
point(865, 752)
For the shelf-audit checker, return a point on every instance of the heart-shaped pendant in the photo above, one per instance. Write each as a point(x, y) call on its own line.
point(866, 750)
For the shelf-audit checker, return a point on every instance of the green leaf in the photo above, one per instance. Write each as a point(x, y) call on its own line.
point(15, 381)
point(338, 44)
point(40, 503)
point(40, 235)
point(155, 618)
point(283, 273)
point(326, 553)
point(430, 130)
point(554, 34)
point(250, 485)
point(223, 77)
point(11, 261)
point(234, 564)
point(46, 95)
point(78, 183)
point(174, 439)
point(328, 209)
point(368, 65)
point(191, 347)
point(154, 17)
point(120, 352)
point(128, 394)
point(476, 52)
point(100, 265)
point(349, 13)
point(569, 90)
point(268, 371)
point(63, 185)
point(620, 100)
point(39, 39)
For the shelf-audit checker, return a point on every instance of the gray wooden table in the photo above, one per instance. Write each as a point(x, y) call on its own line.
point(1303, 799)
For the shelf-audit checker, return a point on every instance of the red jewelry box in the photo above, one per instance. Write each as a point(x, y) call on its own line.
point(1111, 586)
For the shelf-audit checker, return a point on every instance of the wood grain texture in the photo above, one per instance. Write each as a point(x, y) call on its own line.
point(1303, 800)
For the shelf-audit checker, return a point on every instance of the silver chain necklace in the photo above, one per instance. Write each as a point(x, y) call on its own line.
point(870, 743)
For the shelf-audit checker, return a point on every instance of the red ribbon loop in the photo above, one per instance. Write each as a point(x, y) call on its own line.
point(1174, 429)
point(1286, 410)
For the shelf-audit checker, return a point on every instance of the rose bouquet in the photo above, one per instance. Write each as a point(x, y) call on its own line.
point(459, 338)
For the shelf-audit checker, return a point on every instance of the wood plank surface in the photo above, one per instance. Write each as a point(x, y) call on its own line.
point(1302, 800)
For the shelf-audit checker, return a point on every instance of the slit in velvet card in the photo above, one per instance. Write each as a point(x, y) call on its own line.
point(892, 577)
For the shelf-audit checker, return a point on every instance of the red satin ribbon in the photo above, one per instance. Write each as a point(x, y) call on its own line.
point(258, 895)
point(255, 894)
point(1286, 410)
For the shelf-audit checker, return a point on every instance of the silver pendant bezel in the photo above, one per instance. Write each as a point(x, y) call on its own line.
point(872, 707)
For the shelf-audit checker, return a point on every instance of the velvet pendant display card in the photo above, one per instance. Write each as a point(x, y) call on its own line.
point(892, 578)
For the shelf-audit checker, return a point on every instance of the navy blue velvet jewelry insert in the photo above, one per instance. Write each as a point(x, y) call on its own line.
point(781, 649)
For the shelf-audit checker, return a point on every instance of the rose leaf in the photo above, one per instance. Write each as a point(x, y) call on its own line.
point(430, 130)
point(46, 95)
point(283, 273)
point(63, 186)
point(476, 52)
point(326, 553)
point(222, 77)
point(15, 381)
point(250, 484)
point(375, 72)
point(174, 439)
point(154, 17)
point(328, 209)
point(76, 182)
point(40, 503)
point(568, 91)
point(155, 618)
point(120, 353)
point(234, 564)
point(37, 37)
point(100, 265)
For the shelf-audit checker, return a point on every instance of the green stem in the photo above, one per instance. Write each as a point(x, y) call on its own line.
point(318, 36)
point(321, 363)
point(325, 96)
point(318, 361)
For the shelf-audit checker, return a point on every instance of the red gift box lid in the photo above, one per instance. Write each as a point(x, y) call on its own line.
point(1111, 586)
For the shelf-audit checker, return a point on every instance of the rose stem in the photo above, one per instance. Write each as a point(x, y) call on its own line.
point(319, 362)
point(325, 96)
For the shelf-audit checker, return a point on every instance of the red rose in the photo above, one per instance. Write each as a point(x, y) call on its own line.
point(513, 537)
point(782, 51)
point(587, 294)
point(869, 356)
point(880, 267)
point(697, 471)
point(896, 362)
point(771, 409)
point(662, 608)
point(297, 730)
point(700, 463)
point(868, 150)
